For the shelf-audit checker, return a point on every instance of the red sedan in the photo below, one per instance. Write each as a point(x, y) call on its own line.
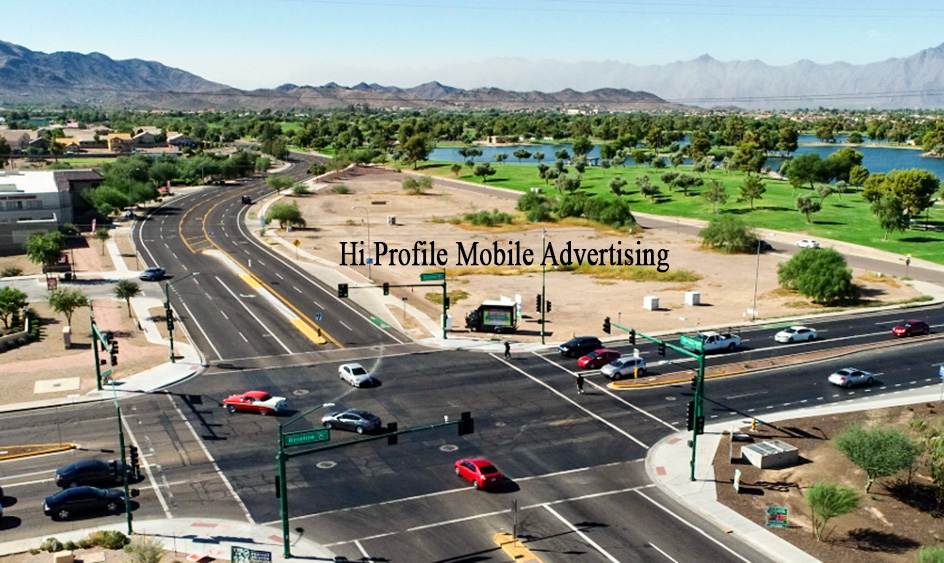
point(911, 328)
point(480, 471)
point(255, 401)
point(598, 358)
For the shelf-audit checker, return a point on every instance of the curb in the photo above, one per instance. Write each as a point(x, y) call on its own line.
point(46, 449)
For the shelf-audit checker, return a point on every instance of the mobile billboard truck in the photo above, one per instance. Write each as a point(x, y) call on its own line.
point(493, 316)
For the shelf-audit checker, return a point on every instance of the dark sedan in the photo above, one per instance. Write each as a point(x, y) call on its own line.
point(153, 274)
point(83, 500)
point(354, 420)
point(92, 472)
point(576, 347)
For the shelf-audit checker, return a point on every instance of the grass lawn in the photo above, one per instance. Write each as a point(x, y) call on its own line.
point(848, 219)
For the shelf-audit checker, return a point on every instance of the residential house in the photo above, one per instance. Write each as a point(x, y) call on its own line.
point(119, 142)
point(18, 139)
point(180, 140)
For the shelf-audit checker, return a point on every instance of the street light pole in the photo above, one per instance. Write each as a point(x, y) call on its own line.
point(543, 280)
point(695, 328)
point(369, 260)
point(756, 278)
point(283, 487)
point(168, 313)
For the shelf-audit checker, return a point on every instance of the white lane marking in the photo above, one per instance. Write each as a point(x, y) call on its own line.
point(458, 520)
point(585, 537)
point(224, 315)
point(209, 456)
point(192, 319)
point(253, 315)
point(24, 483)
point(664, 554)
point(574, 403)
point(362, 550)
point(147, 467)
point(296, 289)
point(243, 337)
point(692, 526)
point(613, 395)
point(744, 395)
point(345, 326)
point(278, 276)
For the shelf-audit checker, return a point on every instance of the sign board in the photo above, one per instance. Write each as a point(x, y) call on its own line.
point(432, 277)
point(691, 342)
point(296, 242)
point(776, 517)
point(63, 259)
point(246, 555)
point(318, 316)
point(737, 481)
point(52, 284)
point(303, 437)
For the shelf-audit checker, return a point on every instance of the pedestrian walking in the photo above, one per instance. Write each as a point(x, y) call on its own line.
point(579, 384)
point(507, 350)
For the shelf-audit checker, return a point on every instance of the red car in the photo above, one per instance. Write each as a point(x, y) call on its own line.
point(255, 401)
point(480, 471)
point(598, 358)
point(911, 328)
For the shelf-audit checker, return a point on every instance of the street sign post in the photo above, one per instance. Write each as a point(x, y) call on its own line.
point(318, 316)
point(691, 342)
point(245, 555)
point(433, 276)
point(303, 437)
point(776, 517)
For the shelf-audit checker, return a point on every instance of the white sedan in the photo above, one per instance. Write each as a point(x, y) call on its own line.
point(355, 374)
point(795, 334)
point(847, 377)
point(807, 243)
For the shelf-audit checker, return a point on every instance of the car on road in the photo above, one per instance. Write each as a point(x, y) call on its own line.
point(598, 358)
point(795, 334)
point(480, 471)
point(92, 472)
point(355, 374)
point(255, 401)
point(807, 243)
point(246, 199)
point(153, 274)
point(624, 367)
point(576, 347)
point(83, 500)
point(354, 420)
point(911, 327)
point(764, 246)
point(849, 377)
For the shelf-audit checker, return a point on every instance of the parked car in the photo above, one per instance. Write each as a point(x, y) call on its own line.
point(911, 328)
point(153, 274)
point(624, 367)
point(92, 472)
point(795, 334)
point(598, 358)
point(354, 420)
point(576, 347)
point(807, 243)
point(479, 471)
point(355, 374)
point(247, 200)
point(255, 401)
point(848, 377)
point(764, 246)
point(83, 500)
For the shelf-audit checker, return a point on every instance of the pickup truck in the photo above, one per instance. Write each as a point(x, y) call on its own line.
point(712, 341)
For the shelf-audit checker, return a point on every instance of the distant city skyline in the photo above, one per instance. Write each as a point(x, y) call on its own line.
point(404, 43)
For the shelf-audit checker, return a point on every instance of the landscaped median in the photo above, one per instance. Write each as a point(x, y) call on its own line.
point(13, 452)
point(738, 368)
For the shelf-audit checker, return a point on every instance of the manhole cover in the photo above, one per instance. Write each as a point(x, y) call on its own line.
point(325, 464)
point(448, 448)
point(300, 392)
point(670, 398)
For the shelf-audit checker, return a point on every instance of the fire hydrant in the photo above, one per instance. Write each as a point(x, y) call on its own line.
point(753, 424)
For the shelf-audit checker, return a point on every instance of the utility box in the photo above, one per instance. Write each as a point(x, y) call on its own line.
point(391, 219)
point(62, 557)
point(650, 303)
point(446, 322)
point(67, 337)
point(692, 298)
point(771, 454)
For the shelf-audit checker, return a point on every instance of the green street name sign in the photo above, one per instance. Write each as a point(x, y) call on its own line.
point(433, 276)
point(305, 437)
point(691, 343)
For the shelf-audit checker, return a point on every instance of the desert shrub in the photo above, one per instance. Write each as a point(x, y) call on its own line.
point(728, 233)
point(930, 555)
point(51, 545)
point(109, 539)
point(616, 214)
point(539, 213)
point(488, 218)
point(145, 549)
point(571, 205)
point(437, 219)
point(818, 273)
point(417, 186)
point(10, 272)
point(69, 546)
point(69, 229)
point(529, 200)
point(340, 189)
point(299, 189)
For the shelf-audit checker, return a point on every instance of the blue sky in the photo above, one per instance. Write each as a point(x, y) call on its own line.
point(265, 43)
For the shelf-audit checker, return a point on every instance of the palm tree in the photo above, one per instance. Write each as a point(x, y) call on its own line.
point(126, 289)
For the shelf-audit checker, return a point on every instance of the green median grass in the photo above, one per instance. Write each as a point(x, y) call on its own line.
point(846, 219)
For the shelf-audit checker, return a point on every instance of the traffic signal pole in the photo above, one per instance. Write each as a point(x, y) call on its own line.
point(699, 415)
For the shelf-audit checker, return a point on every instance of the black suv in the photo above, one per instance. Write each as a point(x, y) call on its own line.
point(246, 200)
point(91, 472)
point(580, 346)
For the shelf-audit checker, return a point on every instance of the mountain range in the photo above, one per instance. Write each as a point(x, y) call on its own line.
point(72, 78)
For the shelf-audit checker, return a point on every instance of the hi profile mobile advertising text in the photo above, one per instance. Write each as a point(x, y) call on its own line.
point(506, 253)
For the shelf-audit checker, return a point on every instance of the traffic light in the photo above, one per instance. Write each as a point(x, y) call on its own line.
point(446, 302)
point(537, 303)
point(466, 424)
point(342, 290)
point(547, 305)
point(113, 351)
point(606, 325)
point(386, 287)
point(134, 462)
point(632, 337)
point(391, 433)
point(662, 348)
point(700, 425)
point(694, 382)
point(170, 320)
point(690, 415)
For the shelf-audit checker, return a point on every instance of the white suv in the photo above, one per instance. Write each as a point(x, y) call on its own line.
point(624, 367)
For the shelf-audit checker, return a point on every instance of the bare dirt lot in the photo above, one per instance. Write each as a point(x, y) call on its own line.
point(579, 300)
point(895, 520)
